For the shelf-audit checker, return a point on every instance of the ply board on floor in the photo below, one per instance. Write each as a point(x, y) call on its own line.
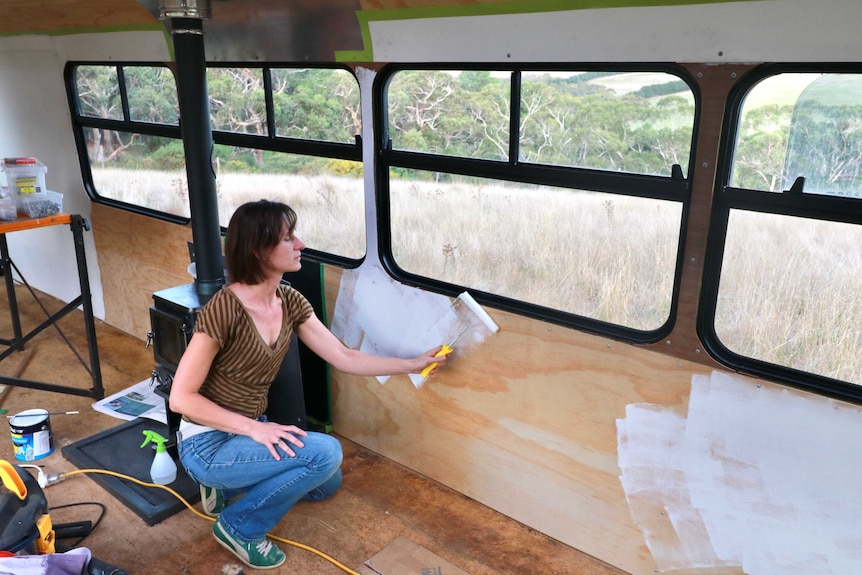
point(404, 557)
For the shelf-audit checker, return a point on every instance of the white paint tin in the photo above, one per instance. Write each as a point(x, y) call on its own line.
point(31, 434)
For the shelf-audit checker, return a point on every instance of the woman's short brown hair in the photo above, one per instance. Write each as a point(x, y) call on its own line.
point(254, 229)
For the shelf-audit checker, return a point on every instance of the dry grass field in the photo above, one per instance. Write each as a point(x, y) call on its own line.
point(788, 289)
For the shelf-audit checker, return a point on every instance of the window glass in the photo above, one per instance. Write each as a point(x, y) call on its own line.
point(801, 125)
point(789, 293)
point(786, 299)
point(327, 194)
point(588, 253)
point(138, 157)
point(152, 94)
point(141, 170)
point(317, 104)
point(637, 122)
point(99, 92)
point(624, 122)
point(237, 100)
point(520, 221)
point(450, 112)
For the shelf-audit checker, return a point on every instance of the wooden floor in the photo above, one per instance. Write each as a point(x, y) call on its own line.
point(379, 503)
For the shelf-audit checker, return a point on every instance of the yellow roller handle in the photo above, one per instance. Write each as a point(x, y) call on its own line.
point(445, 350)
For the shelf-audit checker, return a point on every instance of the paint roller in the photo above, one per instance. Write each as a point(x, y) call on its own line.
point(477, 312)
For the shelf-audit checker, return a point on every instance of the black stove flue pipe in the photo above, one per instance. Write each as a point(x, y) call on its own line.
point(190, 56)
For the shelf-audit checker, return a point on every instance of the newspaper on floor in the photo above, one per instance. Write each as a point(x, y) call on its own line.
point(139, 400)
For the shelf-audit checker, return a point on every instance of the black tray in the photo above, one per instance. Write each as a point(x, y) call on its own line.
point(119, 449)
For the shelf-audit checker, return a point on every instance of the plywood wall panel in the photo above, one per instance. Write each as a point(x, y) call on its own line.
point(525, 424)
point(650, 463)
point(138, 256)
point(55, 15)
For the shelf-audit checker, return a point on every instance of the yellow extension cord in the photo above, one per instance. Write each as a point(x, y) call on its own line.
point(207, 517)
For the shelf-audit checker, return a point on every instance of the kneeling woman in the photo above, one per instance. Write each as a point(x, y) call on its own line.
point(240, 339)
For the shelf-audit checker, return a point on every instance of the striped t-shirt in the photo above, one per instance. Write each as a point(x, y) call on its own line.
point(245, 366)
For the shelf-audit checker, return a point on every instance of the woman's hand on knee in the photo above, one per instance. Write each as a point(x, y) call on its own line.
point(278, 438)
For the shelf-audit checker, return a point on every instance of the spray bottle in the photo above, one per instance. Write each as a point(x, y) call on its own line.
point(163, 471)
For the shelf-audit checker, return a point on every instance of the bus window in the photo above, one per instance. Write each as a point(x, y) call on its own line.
point(126, 125)
point(278, 132)
point(327, 194)
point(825, 137)
point(151, 171)
point(316, 103)
point(784, 263)
point(538, 181)
point(237, 100)
point(789, 293)
point(586, 253)
point(308, 103)
point(98, 91)
point(639, 122)
point(152, 94)
point(450, 112)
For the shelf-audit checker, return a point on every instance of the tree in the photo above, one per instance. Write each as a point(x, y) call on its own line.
point(152, 93)
point(474, 80)
point(825, 146)
point(761, 147)
point(320, 104)
point(99, 97)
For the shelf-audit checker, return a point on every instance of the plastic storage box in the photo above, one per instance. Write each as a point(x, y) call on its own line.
point(25, 176)
point(40, 205)
point(8, 205)
point(8, 208)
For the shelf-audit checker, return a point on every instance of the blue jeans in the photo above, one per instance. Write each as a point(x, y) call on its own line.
point(237, 465)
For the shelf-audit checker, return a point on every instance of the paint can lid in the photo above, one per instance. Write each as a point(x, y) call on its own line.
point(29, 417)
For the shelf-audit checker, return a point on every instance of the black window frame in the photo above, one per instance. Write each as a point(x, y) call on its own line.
point(268, 142)
point(80, 122)
point(675, 187)
point(789, 202)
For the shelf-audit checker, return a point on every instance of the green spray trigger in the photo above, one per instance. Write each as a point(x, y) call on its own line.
point(155, 438)
point(163, 470)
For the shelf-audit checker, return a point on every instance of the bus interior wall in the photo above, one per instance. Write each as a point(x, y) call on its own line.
point(650, 458)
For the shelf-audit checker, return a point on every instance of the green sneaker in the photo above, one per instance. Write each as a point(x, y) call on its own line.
point(260, 555)
point(212, 501)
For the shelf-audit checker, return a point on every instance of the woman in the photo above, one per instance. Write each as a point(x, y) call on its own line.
point(220, 387)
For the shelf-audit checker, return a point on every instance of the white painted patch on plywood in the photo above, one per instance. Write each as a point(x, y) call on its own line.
point(753, 476)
